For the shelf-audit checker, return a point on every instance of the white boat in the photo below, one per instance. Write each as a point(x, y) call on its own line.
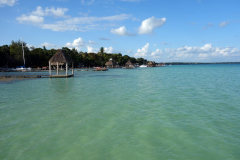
point(144, 65)
point(22, 68)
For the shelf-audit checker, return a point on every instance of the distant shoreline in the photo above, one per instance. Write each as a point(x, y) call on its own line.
point(166, 63)
point(198, 63)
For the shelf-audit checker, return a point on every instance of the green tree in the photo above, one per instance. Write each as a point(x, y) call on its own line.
point(17, 52)
point(102, 51)
point(4, 54)
point(12, 56)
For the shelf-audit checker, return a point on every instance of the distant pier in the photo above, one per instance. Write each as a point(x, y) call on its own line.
point(36, 76)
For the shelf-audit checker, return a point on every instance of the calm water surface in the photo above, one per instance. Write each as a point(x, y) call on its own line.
point(172, 112)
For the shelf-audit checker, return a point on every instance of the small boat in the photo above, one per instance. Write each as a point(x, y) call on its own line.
point(99, 69)
point(144, 65)
point(22, 68)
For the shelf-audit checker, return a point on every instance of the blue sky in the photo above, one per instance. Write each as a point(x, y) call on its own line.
point(158, 30)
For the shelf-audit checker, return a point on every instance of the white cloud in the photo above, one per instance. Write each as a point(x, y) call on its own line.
point(60, 27)
point(148, 25)
point(29, 45)
point(56, 12)
point(224, 23)
point(206, 48)
point(92, 50)
point(59, 12)
point(206, 51)
point(121, 31)
point(7, 2)
point(95, 50)
point(202, 55)
point(158, 52)
point(48, 45)
point(31, 18)
point(37, 15)
point(191, 54)
point(73, 24)
point(142, 52)
point(76, 43)
point(39, 11)
point(108, 50)
point(224, 51)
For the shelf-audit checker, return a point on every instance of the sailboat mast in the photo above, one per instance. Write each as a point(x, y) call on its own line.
point(23, 53)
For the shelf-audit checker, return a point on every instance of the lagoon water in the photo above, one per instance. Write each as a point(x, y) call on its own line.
point(172, 112)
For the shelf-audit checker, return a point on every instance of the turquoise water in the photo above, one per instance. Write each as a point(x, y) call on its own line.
point(172, 112)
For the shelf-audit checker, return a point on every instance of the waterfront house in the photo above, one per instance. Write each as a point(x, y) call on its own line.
point(151, 64)
point(111, 63)
point(129, 64)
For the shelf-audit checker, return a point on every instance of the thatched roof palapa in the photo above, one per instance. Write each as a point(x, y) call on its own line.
point(129, 63)
point(60, 56)
point(151, 64)
point(111, 63)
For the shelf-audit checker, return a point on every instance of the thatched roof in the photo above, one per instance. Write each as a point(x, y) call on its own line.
point(111, 63)
point(61, 56)
point(129, 63)
point(151, 63)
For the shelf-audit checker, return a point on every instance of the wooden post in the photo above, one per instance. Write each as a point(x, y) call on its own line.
point(57, 69)
point(66, 69)
point(72, 68)
point(49, 68)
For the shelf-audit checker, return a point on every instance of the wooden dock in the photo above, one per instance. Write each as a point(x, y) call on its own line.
point(36, 76)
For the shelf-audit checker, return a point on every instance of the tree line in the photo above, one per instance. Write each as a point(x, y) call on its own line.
point(12, 56)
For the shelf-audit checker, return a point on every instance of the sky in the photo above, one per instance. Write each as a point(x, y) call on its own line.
point(157, 30)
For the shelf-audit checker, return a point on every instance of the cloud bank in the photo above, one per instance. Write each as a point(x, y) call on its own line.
point(73, 24)
point(37, 16)
point(186, 53)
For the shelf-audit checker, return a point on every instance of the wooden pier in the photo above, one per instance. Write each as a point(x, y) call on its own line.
point(36, 76)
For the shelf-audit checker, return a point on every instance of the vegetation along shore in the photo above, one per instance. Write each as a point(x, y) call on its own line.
point(11, 56)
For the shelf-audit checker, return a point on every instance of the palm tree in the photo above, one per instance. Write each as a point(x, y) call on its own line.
point(102, 50)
